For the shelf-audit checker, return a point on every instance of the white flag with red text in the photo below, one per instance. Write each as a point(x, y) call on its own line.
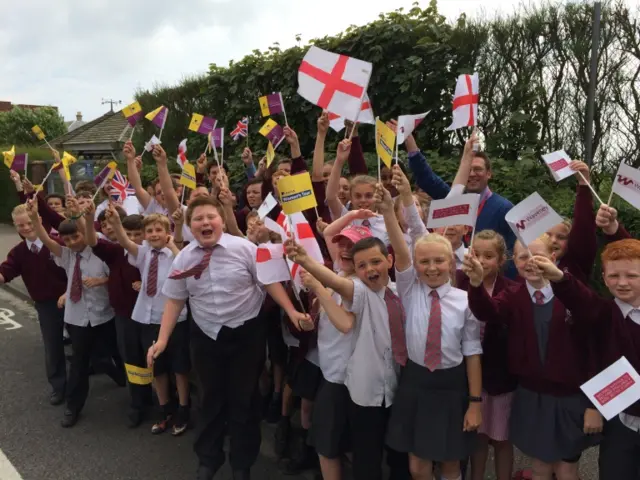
point(465, 102)
point(531, 218)
point(456, 210)
point(366, 116)
point(627, 184)
point(335, 83)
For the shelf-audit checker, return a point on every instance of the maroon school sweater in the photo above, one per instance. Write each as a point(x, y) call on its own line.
point(564, 369)
point(50, 218)
point(496, 378)
point(45, 281)
point(122, 274)
point(619, 336)
point(621, 234)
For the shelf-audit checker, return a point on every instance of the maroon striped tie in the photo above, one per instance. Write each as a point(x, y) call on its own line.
point(34, 248)
point(197, 270)
point(396, 327)
point(152, 275)
point(76, 281)
point(433, 350)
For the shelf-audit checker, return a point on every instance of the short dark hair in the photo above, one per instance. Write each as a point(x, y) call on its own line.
point(68, 227)
point(103, 214)
point(84, 194)
point(132, 222)
point(213, 163)
point(58, 196)
point(86, 185)
point(201, 201)
point(485, 157)
point(367, 243)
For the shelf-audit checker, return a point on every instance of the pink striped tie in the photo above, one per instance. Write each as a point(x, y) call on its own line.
point(152, 275)
point(433, 350)
point(539, 296)
point(76, 281)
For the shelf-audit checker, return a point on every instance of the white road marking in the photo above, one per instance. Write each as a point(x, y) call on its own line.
point(5, 319)
point(7, 471)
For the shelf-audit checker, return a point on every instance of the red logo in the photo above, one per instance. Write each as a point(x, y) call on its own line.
point(614, 389)
point(521, 225)
point(558, 165)
point(625, 181)
point(451, 211)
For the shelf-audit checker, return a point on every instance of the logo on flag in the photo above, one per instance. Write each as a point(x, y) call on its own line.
point(271, 104)
point(456, 210)
point(120, 187)
point(132, 113)
point(558, 163)
point(627, 184)
point(188, 177)
point(273, 132)
point(296, 193)
point(241, 130)
point(531, 218)
point(385, 142)
point(465, 102)
point(201, 124)
point(335, 83)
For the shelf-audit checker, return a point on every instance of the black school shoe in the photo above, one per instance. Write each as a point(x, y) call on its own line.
point(165, 421)
point(303, 457)
point(281, 437)
point(56, 398)
point(69, 419)
point(181, 420)
point(135, 417)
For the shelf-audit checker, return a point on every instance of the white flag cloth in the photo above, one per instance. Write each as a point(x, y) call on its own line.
point(531, 218)
point(271, 266)
point(151, 143)
point(182, 153)
point(366, 116)
point(465, 102)
point(269, 203)
point(335, 83)
point(407, 124)
point(558, 162)
point(627, 184)
point(456, 210)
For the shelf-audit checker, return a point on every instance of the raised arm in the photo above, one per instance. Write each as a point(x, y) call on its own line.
point(166, 183)
point(142, 195)
point(425, 177)
point(178, 223)
point(318, 151)
point(297, 164)
point(113, 219)
point(462, 175)
point(91, 237)
point(607, 220)
point(333, 184)
point(384, 203)
point(344, 287)
point(357, 163)
point(53, 246)
point(230, 219)
point(338, 316)
point(340, 224)
point(415, 225)
point(484, 307)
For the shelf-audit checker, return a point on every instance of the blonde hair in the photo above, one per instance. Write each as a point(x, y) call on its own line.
point(498, 241)
point(434, 238)
point(19, 210)
point(363, 180)
point(156, 218)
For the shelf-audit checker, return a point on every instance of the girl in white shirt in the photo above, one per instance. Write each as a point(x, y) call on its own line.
point(437, 406)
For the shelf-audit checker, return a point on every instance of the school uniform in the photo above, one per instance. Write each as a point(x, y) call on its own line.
point(45, 282)
point(155, 207)
point(427, 418)
point(547, 414)
point(154, 266)
point(376, 224)
point(227, 337)
point(458, 256)
point(329, 433)
point(88, 317)
point(618, 326)
point(372, 377)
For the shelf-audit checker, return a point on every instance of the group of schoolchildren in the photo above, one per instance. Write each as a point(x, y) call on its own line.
point(415, 348)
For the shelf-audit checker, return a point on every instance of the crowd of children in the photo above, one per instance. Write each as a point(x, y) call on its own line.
point(416, 348)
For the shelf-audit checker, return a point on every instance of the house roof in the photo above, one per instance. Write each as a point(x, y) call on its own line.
point(104, 134)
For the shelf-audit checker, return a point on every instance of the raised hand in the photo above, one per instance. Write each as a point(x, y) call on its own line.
point(159, 155)
point(129, 151)
point(15, 178)
point(32, 210)
point(344, 148)
point(247, 156)
point(382, 199)
point(472, 268)
point(112, 216)
point(607, 219)
point(321, 225)
point(290, 135)
point(178, 217)
point(547, 268)
point(201, 163)
point(27, 186)
point(309, 281)
point(471, 141)
point(400, 180)
point(323, 123)
point(295, 252)
point(583, 168)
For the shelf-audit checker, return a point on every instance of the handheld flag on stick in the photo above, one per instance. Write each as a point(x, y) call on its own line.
point(271, 154)
point(456, 210)
point(385, 142)
point(201, 124)
point(40, 135)
point(139, 375)
point(20, 163)
point(296, 193)
point(626, 184)
point(558, 162)
point(9, 156)
point(153, 141)
point(158, 117)
point(241, 130)
point(104, 176)
point(407, 124)
point(182, 153)
point(67, 159)
point(188, 177)
point(273, 104)
point(465, 102)
point(133, 113)
point(531, 218)
point(120, 187)
point(366, 116)
point(273, 132)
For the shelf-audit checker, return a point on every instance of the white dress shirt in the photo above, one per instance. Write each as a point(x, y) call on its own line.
point(372, 373)
point(547, 291)
point(148, 310)
point(38, 243)
point(93, 308)
point(376, 224)
point(155, 207)
point(131, 206)
point(630, 421)
point(458, 256)
point(460, 329)
point(228, 293)
point(334, 347)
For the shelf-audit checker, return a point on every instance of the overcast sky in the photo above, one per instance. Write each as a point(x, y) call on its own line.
point(74, 53)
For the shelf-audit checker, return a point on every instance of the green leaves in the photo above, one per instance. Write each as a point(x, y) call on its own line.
point(15, 125)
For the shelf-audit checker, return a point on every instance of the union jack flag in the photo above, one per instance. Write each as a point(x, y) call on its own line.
point(120, 188)
point(241, 130)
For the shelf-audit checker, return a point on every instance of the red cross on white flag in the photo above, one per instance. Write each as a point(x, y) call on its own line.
point(366, 116)
point(336, 83)
point(465, 102)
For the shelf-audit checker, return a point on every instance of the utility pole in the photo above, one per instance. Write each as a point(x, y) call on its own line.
point(111, 102)
point(591, 95)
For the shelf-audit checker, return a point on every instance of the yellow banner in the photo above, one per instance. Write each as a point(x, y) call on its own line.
point(188, 177)
point(385, 142)
point(9, 156)
point(38, 132)
point(138, 375)
point(271, 154)
point(296, 193)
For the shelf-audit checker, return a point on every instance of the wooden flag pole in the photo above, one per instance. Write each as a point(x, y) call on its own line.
point(222, 146)
point(590, 188)
point(284, 111)
point(132, 130)
point(396, 148)
point(184, 187)
point(610, 197)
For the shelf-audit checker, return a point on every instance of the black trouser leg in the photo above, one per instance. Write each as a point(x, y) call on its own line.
point(82, 340)
point(51, 320)
point(619, 452)
point(134, 354)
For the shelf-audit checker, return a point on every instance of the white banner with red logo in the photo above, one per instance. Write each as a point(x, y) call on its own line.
point(627, 184)
point(531, 218)
point(457, 210)
point(558, 162)
point(614, 389)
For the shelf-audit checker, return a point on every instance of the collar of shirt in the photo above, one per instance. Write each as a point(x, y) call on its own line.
point(442, 290)
point(86, 253)
point(223, 241)
point(460, 252)
point(38, 243)
point(547, 291)
point(166, 250)
point(629, 311)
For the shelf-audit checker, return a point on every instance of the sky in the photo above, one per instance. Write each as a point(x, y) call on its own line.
point(74, 53)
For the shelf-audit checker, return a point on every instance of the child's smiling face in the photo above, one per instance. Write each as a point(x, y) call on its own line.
point(372, 267)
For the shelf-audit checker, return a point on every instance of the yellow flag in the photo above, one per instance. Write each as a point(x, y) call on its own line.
point(38, 132)
point(271, 154)
point(188, 177)
point(138, 375)
point(296, 193)
point(68, 159)
point(385, 142)
point(9, 156)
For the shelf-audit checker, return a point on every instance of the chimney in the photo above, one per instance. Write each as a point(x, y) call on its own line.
point(79, 116)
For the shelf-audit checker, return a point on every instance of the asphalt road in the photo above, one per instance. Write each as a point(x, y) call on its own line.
point(100, 446)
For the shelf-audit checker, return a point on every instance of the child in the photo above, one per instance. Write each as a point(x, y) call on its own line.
point(88, 315)
point(123, 297)
point(154, 259)
point(372, 369)
point(498, 384)
point(438, 403)
point(549, 414)
point(55, 201)
point(46, 284)
point(618, 320)
point(217, 273)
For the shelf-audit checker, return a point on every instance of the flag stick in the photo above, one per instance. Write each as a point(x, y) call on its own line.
point(355, 122)
point(47, 176)
point(132, 130)
point(215, 155)
point(379, 174)
point(222, 146)
point(590, 188)
point(182, 196)
point(444, 234)
point(608, 203)
point(396, 148)
point(316, 210)
point(26, 164)
point(48, 144)
point(284, 112)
